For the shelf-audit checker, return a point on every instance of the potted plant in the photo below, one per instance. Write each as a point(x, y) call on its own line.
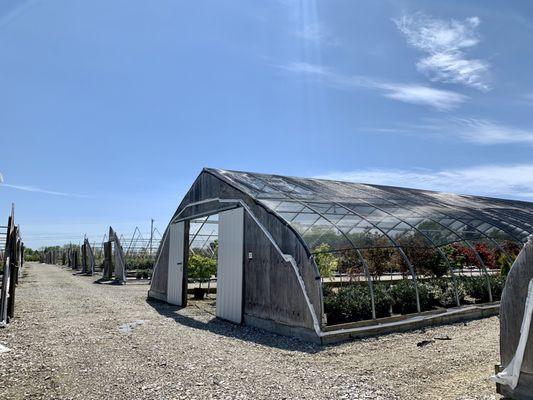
point(200, 269)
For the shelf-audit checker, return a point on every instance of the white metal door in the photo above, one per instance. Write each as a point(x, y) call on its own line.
point(230, 265)
point(175, 264)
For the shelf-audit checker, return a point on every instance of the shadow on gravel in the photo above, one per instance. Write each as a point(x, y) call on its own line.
point(240, 332)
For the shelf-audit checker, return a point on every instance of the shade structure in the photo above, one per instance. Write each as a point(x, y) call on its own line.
point(303, 218)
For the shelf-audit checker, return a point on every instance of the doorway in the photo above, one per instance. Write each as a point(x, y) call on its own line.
point(208, 253)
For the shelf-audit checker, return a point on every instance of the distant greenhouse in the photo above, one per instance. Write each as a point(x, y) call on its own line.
point(299, 256)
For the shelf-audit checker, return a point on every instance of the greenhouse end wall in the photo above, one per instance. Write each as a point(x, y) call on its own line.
point(278, 295)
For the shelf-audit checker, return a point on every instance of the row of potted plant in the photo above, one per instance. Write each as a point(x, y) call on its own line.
point(353, 303)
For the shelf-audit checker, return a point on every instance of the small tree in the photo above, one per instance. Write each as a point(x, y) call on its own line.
point(201, 268)
point(326, 261)
point(461, 256)
point(349, 262)
point(378, 259)
point(425, 259)
point(506, 255)
point(486, 254)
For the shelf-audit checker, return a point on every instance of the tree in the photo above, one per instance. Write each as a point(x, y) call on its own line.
point(326, 261)
point(461, 256)
point(201, 268)
point(425, 259)
point(378, 260)
point(486, 254)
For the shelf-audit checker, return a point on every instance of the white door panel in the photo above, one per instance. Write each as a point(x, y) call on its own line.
point(230, 265)
point(175, 264)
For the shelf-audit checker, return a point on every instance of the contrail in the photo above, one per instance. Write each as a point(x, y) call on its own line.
point(44, 191)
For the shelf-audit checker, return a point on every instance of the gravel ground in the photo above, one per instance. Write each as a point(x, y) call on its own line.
point(66, 344)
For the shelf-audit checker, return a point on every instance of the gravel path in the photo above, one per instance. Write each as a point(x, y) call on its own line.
point(66, 344)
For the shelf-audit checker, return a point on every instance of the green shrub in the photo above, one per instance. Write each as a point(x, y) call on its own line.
point(497, 282)
point(476, 287)
point(505, 267)
point(201, 268)
point(353, 303)
point(444, 292)
point(382, 301)
point(447, 297)
point(403, 295)
point(139, 263)
point(143, 274)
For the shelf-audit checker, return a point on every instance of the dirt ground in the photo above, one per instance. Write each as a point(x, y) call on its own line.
point(66, 344)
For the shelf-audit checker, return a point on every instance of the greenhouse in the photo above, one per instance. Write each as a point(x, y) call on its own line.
point(311, 257)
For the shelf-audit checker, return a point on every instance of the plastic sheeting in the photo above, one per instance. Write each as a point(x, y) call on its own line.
point(510, 375)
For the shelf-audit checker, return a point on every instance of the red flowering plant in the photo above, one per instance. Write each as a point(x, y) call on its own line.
point(461, 256)
point(486, 254)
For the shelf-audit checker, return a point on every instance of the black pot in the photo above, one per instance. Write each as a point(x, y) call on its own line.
point(199, 293)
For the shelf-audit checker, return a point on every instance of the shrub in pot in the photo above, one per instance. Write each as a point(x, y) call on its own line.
point(403, 296)
point(476, 287)
point(353, 303)
point(497, 282)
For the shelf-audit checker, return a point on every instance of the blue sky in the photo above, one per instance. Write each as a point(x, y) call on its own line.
point(110, 109)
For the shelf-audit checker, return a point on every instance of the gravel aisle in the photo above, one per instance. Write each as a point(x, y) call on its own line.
point(65, 344)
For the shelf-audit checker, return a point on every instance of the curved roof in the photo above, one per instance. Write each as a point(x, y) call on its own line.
point(357, 216)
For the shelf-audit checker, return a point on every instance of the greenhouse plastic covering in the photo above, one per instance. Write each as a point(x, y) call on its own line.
point(356, 217)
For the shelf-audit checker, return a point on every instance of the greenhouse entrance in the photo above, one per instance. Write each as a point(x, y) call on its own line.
point(206, 262)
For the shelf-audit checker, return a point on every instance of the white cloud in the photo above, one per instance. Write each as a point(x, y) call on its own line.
point(489, 180)
point(488, 132)
point(317, 33)
point(446, 42)
point(404, 92)
point(423, 95)
point(472, 130)
point(39, 190)
point(307, 68)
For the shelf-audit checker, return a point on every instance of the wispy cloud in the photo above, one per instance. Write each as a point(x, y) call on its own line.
point(39, 190)
point(412, 93)
point(422, 95)
point(472, 130)
point(445, 43)
point(490, 133)
point(489, 180)
point(317, 33)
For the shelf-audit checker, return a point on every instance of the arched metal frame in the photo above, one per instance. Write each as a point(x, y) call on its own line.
point(457, 215)
point(478, 257)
